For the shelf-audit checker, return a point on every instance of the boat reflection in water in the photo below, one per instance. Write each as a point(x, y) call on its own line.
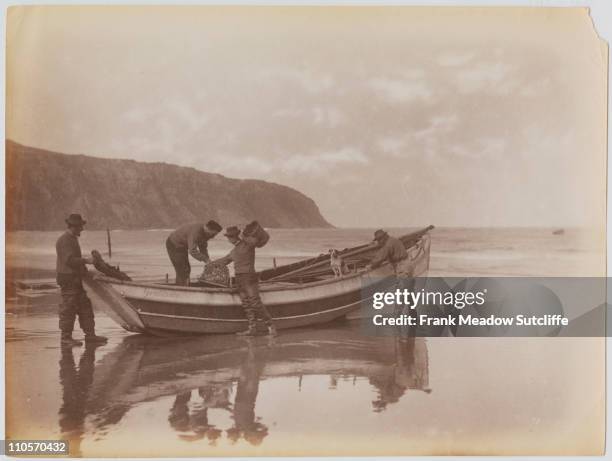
point(224, 373)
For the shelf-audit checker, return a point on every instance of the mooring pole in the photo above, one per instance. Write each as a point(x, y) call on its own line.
point(108, 241)
point(274, 262)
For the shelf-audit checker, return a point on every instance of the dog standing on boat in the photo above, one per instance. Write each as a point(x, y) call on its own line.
point(336, 263)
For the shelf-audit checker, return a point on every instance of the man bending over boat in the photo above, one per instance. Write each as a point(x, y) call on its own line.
point(70, 268)
point(243, 257)
point(190, 239)
point(392, 250)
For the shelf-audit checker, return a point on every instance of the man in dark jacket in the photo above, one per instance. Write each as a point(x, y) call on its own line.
point(70, 268)
point(190, 239)
point(247, 281)
point(392, 250)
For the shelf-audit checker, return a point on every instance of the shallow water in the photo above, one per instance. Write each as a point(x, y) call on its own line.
point(320, 391)
point(454, 252)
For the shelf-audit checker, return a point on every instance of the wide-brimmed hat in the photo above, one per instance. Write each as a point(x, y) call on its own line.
point(379, 235)
point(232, 231)
point(75, 220)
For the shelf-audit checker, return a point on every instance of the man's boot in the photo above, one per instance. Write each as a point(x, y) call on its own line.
point(252, 328)
point(250, 331)
point(92, 338)
point(67, 340)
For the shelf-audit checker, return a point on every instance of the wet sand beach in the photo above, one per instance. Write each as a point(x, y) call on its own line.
point(312, 391)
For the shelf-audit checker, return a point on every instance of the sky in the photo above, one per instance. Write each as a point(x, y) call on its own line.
point(385, 116)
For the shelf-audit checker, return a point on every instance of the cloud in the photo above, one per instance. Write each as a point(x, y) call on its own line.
point(493, 147)
point(437, 124)
point(319, 115)
point(486, 76)
point(329, 116)
point(310, 81)
point(400, 90)
point(454, 60)
point(434, 138)
point(315, 163)
point(244, 166)
point(414, 73)
point(188, 115)
point(177, 109)
point(392, 145)
point(319, 162)
point(288, 113)
point(134, 115)
point(427, 140)
point(536, 88)
point(490, 148)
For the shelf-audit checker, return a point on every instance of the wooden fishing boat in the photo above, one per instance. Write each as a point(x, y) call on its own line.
point(299, 294)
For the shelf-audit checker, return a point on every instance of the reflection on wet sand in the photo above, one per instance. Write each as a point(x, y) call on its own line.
point(246, 424)
point(75, 383)
point(411, 371)
point(182, 420)
point(223, 373)
point(194, 425)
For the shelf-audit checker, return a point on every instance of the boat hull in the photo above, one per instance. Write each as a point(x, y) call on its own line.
point(158, 308)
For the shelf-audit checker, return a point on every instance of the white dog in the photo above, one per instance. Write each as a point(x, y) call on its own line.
point(336, 263)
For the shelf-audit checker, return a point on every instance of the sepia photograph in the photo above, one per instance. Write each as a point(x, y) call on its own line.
point(296, 231)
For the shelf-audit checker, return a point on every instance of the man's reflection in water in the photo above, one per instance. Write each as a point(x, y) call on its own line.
point(183, 420)
point(179, 413)
point(246, 424)
point(407, 369)
point(411, 371)
point(75, 388)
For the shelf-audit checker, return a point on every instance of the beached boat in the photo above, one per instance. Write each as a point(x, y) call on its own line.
point(299, 294)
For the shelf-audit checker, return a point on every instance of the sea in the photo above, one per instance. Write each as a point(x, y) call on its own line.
point(312, 391)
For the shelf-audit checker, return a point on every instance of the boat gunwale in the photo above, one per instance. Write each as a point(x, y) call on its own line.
point(263, 286)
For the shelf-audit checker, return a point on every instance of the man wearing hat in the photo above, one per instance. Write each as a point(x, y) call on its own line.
point(392, 250)
point(70, 268)
point(190, 239)
point(247, 281)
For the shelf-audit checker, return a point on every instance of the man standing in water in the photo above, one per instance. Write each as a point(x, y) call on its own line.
point(70, 269)
point(190, 239)
point(243, 257)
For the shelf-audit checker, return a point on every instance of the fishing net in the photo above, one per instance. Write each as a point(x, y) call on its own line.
point(108, 270)
point(215, 273)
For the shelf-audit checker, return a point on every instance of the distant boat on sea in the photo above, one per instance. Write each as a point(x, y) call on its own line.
point(559, 232)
